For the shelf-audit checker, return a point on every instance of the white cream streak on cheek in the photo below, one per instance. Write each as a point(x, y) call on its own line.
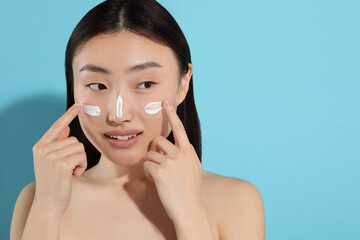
point(153, 107)
point(91, 110)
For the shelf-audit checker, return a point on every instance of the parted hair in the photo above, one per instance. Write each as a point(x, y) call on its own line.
point(151, 20)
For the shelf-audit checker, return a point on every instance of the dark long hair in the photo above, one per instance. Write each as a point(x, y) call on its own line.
point(148, 19)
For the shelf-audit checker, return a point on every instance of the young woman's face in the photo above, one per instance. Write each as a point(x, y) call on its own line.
point(116, 54)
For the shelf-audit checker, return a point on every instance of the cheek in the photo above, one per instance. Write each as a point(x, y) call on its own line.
point(92, 128)
point(92, 105)
point(90, 125)
point(89, 122)
point(79, 93)
point(157, 124)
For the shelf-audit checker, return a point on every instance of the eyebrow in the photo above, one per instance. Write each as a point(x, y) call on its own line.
point(93, 68)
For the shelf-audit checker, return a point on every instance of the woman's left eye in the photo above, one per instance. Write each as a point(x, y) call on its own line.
point(97, 86)
point(146, 84)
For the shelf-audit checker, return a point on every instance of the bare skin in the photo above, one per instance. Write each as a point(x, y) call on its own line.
point(112, 210)
point(96, 211)
point(116, 199)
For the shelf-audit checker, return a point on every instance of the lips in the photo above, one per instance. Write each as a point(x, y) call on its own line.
point(125, 142)
point(123, 132)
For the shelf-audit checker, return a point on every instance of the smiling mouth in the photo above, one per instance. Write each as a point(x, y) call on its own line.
point(124, 137)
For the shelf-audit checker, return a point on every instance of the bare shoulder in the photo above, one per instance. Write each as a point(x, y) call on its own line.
point(21, 210)
point(244, 189)
point(239, 205)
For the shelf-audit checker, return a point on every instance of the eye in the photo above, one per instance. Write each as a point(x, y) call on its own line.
point(146, 84)
point(97, 86)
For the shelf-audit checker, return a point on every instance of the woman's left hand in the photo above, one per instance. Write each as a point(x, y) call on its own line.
point(176, 170)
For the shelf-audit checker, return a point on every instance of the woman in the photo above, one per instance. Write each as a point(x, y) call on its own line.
point(132, 125)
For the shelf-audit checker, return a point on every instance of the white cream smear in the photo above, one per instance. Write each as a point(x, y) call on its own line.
point(153, 107)
point(150, 108)
point(119, 103)
point(91, 110)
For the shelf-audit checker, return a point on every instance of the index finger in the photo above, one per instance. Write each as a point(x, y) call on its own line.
point(60, 124)
point(180, 136)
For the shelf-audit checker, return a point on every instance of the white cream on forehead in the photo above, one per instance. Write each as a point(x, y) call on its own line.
point(150, 108)
point(91, 110)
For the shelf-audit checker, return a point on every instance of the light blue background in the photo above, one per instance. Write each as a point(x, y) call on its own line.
point(277, 88)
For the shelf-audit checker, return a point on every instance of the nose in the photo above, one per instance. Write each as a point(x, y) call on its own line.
point(120, 110)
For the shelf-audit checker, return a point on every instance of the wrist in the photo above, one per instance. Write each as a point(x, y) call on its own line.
point(194, 226)
point(46, 210)
point(190, 217)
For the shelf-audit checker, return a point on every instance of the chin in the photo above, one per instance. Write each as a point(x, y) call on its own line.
point(126, 157)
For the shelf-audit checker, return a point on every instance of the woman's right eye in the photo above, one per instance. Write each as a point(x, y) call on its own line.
point(97, 86)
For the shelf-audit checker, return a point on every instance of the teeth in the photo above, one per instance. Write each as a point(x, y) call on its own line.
point(123, 137)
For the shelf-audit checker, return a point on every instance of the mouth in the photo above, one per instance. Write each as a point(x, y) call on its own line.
point(123, 141)
point(122, 137)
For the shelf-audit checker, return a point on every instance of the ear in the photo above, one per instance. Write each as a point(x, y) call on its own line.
point(184, 85)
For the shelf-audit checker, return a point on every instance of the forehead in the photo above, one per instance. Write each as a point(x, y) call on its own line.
point(117, 52)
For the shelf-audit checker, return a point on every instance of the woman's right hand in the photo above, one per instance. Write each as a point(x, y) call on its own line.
point(56, 158)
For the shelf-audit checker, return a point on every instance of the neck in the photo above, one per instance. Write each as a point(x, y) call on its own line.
point(107, 172)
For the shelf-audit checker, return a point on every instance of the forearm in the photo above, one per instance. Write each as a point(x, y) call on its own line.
point(42, 224)
point(195, 226)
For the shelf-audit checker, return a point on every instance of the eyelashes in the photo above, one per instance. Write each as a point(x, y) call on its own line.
point(96, 86)
point(151, 83)
point(100, 86)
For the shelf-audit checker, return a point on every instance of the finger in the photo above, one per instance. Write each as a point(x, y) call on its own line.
point(52, 147)
point(65, 133)
point(162, 144)
point(78, 171)
point(58, 127)
point(150, 170)
point(177, 127)
point(155, 157)
point(68, 150)
point(77, 161)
